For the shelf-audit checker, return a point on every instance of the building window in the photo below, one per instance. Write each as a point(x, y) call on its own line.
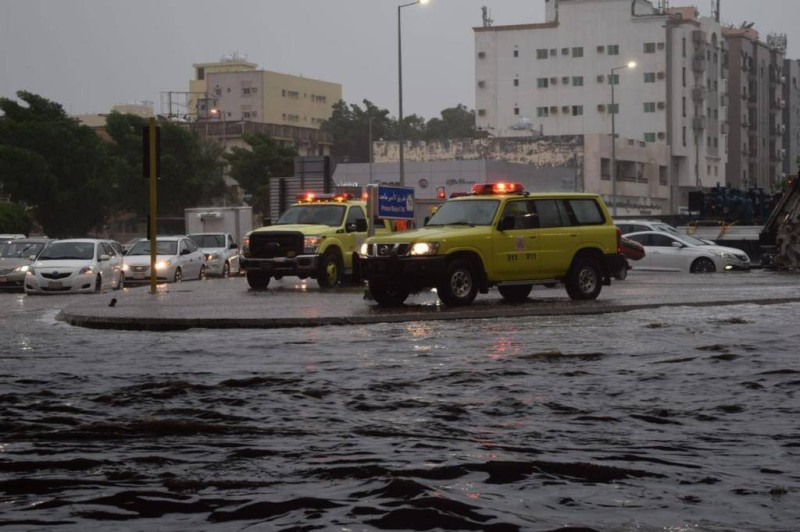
point(614, 109)
point(684, 135)
point(577, 51)
point(516, 82)
point(684, 76)
point(481, 112)
point(577, 81)
point(649, 47)
point(649, 77)
point(565, 51)
point(553, 52)
point(541, 53)
point(649, 137)
point(247, 91)
point(565, 80)
point(577, 110)
point(612, 49)
point(613, 79)
point(516, 53)
point(684, 106)
point(542, 83)
point(542, 112)
point(649, 107)
point(516, 110)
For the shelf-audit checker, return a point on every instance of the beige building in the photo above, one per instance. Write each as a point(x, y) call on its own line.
point(234, 90)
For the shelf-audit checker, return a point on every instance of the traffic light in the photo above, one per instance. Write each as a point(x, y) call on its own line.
point(440, 193)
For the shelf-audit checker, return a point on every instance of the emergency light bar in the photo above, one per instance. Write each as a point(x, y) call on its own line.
point(311, 197)
point(497, 188)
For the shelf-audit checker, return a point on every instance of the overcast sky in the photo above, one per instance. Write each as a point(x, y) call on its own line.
point(89, 55)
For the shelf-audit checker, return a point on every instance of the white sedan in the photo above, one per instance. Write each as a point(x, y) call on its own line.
point(222, 253)
point(684, 253)
point(177, 258)
point(74, 265)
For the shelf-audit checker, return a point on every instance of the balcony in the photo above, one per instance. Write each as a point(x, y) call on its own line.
point(699, 122)
point(699, 64)
point(698, 94)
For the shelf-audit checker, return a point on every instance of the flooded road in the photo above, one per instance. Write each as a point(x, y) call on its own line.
point(661, 419)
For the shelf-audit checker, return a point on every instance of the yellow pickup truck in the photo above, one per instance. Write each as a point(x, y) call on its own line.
point(499, 235)
point(318, 237)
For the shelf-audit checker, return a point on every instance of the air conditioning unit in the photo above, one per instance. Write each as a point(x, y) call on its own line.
point(553, 81)
point(698, 36)
point(601, 49)
point(481, 55)
point(565, 80)
point(481, 84)
point(724, 128)
point(600, 78)
point(565, 109)
point(661, 75)
point(662, 135)
point(601, 107)
point(554, 109)
point(662, 105)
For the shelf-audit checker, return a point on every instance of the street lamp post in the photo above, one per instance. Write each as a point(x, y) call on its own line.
point(613, 165)
point(221, 114)
point(400, 86)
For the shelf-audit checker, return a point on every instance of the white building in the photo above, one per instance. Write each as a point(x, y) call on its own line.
point(556, 77)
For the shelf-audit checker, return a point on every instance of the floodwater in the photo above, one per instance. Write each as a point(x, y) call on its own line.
point(669, 419)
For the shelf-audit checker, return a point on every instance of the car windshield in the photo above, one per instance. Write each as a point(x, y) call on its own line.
point(471, 212)
point(21, 250)
point(68, 251)
point(209, 241)
point(163, 247)
point(331, 215)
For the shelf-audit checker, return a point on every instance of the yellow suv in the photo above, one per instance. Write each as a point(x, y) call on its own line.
point(317, 237)
point(499, 235)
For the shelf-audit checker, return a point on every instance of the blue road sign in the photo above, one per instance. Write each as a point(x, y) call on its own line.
point(395, 202)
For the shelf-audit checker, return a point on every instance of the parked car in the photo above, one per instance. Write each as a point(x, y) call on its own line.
point(15, 260)
point(6, 238)
point(221, 251)
point(637, 226)
point(684, 253)
point(74, 265)
point(177, 258)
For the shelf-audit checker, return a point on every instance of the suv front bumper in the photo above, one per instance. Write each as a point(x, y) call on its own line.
point(414, 272)
point(301, 266)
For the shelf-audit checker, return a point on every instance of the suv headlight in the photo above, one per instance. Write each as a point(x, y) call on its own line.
point(311, 243)
point(425, 248)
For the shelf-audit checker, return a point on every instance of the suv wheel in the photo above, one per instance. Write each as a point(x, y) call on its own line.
point(330, 270)
point(515, 294)
point(583, 280)
point(387, 295)
point(460, 285)
point(257, 280)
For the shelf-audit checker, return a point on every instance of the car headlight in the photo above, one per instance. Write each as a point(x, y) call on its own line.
point(162, 264)
point(364, 249)
point(311, 243)
point(125, 268)
point(425, 248)
point(213, 256)
point(22, 269)
point(30, 271)
point(723, 254)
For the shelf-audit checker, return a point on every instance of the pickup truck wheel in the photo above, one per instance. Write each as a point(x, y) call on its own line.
point(460, 286)
point(515, 294)
point(387, 295)
point(583, 280)
point(331, 270)
point(257, 280)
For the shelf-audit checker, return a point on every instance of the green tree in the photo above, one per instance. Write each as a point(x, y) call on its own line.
point(14, 219)
point(252, 168)
point(191, 167)
point(55, 165)
point(455, 123)
point(350, 127)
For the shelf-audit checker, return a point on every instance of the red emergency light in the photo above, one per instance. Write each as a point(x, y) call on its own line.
point(497, 188)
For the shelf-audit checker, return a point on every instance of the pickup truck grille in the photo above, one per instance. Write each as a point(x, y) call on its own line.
point(268, 245)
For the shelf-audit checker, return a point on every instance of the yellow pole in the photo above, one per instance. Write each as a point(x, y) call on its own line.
point(153, 204)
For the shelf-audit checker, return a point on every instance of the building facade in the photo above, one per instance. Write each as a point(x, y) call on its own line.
point(559, 77)
point(755, 143)
point(791, 116)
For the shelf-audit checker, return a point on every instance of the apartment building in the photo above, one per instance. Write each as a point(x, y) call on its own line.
point(559, 77)
point(791, 116)
point(236, 90)
point(756, 142)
